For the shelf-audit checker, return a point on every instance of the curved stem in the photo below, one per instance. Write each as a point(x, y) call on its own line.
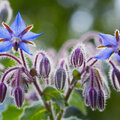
point(9, 70)
point(18, 77)
point(48, 107)
point(112, 64)
point(36, 58)
point(23, 59)
point(11, 56)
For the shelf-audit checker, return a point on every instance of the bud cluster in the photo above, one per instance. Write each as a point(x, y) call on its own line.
point(94, 95)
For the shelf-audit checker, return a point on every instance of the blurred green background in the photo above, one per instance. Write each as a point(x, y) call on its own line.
point(61, 20)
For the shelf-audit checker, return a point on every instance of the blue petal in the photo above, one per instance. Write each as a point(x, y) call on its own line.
point(108, 39)
point(29, 36)
point(25, 47)
point(105, 54)
point(18, 25)
point(5, 46)
point(116, 56)
point(4, 33)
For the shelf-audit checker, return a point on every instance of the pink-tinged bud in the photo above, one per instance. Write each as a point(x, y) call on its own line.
point(116, 79)
point(101, 100)
point(77, 57)
point(60, 78)
point(19, 96)
point(3, 90)
point(92, 95)
point(45, 67)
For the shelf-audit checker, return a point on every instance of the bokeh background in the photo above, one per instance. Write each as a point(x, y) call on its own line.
point(62, 20)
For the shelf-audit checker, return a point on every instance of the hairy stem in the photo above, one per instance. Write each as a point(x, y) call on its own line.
point(11, 56)
point(23, 59)
point(48, 106)
point(9, 70)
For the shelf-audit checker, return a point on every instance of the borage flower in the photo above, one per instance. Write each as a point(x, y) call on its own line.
point(111, 45)
point(16, 36)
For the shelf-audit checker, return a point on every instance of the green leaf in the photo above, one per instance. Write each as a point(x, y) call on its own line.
point(34, 112)
point(76, 76)
point(73, 112)
point(51, 93)
point(12, 113)
point(77, 101)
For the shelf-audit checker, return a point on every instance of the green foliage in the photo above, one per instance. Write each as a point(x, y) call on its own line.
point(76, 76)
point(53, 94)
point(34, 112)
point(78, 102)
point(73, 112)
point(12, 113)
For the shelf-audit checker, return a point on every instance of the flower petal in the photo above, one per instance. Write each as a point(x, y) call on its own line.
point(29, 36)
point(105, 54)
point(108, 39)
point(25, 47)
point(5, 46)
point(4, 33)
point(116, 56)
point(18, 25)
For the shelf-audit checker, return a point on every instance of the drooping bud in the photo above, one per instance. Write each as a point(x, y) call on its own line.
point(92, 96)
point(101, 100)
point(45, 67)
point(60, 78)
point(3, 90)
point(116, 79)
point(77, 57)
point(5, 11)
point(19, 96)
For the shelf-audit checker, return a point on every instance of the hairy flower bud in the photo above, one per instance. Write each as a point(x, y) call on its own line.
point(45, 67)
point(5, 11)
point(101, 100)
point(60, 78)
point(116, 79)
point(19, 96)
point(3, 90)
point(92, 96)
point(77, 57)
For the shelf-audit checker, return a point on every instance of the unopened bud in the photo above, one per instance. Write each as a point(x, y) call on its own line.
point(101, 100)
point(5, 11)
point(116, 79)
point(92, 95)
point(3, 90)
point(19, 96)
point(45, 67)
point(60, 78)
point(77, 57)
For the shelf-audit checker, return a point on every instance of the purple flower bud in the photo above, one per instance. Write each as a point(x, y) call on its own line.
point(60, 78)
point(101, 100)
point(92, 95)
point(77, 58)
point(45, 67)
point(3, 90)
point(5, 11)
point(116, 79)
point(19, 96)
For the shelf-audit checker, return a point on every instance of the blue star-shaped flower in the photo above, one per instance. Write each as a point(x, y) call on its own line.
point(16, 36)
point(111, 45)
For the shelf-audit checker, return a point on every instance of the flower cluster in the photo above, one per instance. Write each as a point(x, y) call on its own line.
point(64, 75)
